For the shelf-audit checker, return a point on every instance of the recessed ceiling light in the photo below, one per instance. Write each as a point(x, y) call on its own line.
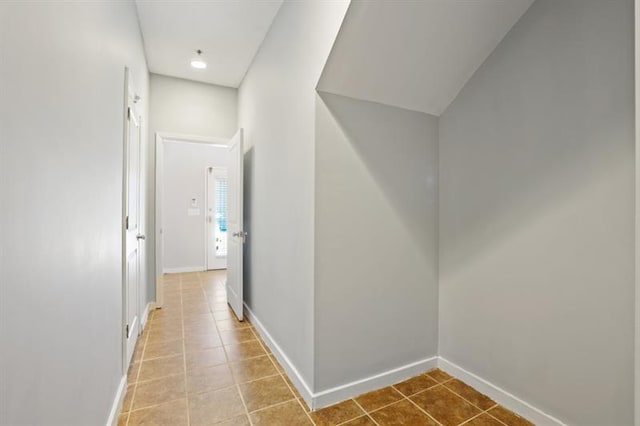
point(198, 62)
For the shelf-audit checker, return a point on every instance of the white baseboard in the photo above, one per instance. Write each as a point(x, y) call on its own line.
point(339, 393)
point(183, 269)
point(317, 400)
point(288, 366)
point(387, 378)
point(117, 402)
point(499, 395)
point(145, 315)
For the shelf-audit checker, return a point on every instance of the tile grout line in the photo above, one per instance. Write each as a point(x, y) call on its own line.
point(471, 418)
point(228, 363)
point(472, 404)
point(184, 356)
point(366, 413)
point(282, 375)
point(495, 418)
point(244, 404)
point(135, 384)
point(482, 411)
point(424, 411)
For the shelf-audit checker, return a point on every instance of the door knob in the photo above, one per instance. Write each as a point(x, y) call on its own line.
point(140, 237)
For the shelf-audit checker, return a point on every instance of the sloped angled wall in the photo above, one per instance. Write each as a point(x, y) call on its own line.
point(537, 214)
point(376, 290)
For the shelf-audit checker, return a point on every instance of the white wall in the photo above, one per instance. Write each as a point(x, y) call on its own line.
point(61, 143)
point(536, 214)
point(184, 176)
point(376, 288)
point(637, 148)
point(188, 108)
point(277, 111)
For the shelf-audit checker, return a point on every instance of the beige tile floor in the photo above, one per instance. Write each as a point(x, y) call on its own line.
point(195, 364)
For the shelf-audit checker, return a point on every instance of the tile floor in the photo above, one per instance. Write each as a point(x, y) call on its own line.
point(195, 364)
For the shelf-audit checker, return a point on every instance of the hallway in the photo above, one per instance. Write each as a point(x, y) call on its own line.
point(195, 364)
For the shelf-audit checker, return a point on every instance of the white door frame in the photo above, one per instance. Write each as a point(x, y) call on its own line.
point(161, 138)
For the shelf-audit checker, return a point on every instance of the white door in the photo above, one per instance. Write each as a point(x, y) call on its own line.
point(234, 225)
point(131, 227)
point(216, 219)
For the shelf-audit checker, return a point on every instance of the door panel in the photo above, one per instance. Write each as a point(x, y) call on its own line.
point(131, 227)
point(236, 235)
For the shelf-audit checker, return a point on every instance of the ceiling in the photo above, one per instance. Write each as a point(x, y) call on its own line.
point(228, 32)
point(415, 55)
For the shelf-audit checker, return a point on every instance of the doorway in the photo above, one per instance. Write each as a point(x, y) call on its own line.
point(216, 220)
point(190, 209)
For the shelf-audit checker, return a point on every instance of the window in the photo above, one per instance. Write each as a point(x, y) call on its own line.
point(221, 215)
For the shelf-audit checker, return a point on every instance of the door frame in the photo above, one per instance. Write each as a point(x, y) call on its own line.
point(131, 99)
point(161, 138)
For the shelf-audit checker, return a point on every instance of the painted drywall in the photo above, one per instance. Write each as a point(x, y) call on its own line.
point(637, 148)
point(537, 214)
point(61, 137)
point(442, 43)
point(184, 175)
point(188, 108)
point(376, 288)
point(277, 112)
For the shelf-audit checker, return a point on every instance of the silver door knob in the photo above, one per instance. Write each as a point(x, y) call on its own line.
point(140, 237)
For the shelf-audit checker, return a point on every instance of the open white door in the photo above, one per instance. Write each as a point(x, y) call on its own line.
point(131, 228)
point(236, 235)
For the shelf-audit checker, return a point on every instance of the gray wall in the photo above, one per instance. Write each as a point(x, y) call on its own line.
point(277, 111)
point(376, 288)
point(537, 213)
point(188, 108)
point(184, 172)
point(61, 139)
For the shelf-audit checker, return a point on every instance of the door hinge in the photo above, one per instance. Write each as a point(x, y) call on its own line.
point(126, 223)
point(128, 113)
point(127, 331)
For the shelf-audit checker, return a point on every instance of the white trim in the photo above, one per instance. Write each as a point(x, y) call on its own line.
point(498, 394)
point(145, 315)
point(178, 137)
point(158, 221)
point(117, 402)
point(368, 384)
point(184, 269)
point(291, 370)
point(343, 392)
point(160, 138)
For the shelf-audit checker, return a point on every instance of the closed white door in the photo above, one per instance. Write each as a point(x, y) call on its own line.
point(236, 235)
point(131, 229)
point(216, 219)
